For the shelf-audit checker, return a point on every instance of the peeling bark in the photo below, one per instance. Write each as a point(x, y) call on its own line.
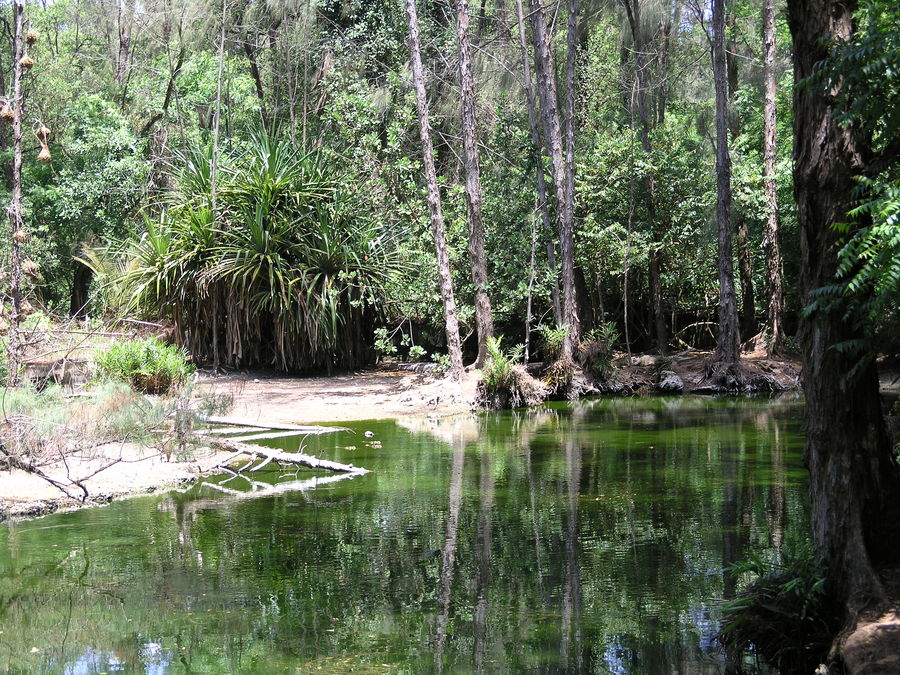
point(484, 321)
point(451, 322)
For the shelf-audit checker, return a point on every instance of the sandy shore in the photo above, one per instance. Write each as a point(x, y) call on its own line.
point(375, 394)
point(116, 471)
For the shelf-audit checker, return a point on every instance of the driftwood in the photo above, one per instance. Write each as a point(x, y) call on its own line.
point(232, 422)
point(267, 455)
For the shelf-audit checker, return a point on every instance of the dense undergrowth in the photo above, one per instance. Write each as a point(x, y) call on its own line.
point(784, 617)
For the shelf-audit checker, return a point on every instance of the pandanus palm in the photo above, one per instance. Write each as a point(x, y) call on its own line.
point(289, 271)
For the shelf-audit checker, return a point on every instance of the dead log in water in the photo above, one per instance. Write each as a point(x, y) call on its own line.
point(264, 456)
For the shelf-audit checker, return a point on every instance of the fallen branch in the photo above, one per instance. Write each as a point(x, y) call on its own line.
point(232, 422)
point(267, 455)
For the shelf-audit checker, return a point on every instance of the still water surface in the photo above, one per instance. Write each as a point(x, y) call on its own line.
point(570, 538)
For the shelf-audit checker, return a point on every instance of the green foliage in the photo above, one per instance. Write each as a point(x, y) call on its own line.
point(784, 614)
point(595, 353)
point(442, 361)
point(867, 291)
point(90, 193)
point(498, 371)
point(290, 270)
point(384, 343)
point(504, 381)
point(148, 365)
point(552, 338)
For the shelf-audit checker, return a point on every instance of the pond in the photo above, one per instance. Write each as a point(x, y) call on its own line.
point(586, 537)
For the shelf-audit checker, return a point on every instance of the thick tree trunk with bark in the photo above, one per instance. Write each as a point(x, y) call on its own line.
point(770, 243)
point(15, 211)
point(451, 322)
point(484, 322)
point(728, 339)
point(853, 480)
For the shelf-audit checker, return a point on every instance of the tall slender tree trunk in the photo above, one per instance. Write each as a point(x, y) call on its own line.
point(540, 182)
point(546, 87)
point(745, 264)
point(484, 322)
point(14, 211)
point(633, 12)
point(451, 322)
point(567, 233)
point(853, 481)
point(728, 340)
point(214, 171)
point(771, 246)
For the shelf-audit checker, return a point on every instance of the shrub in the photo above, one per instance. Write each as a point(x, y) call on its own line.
point(552, 338)
point(595, 352)
point(784, 615)
point(148, 365)
point(504, 381)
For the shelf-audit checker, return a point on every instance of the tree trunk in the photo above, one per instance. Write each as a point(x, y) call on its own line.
point(745, 274)
point(14, 210)
point(217, 116)
point(728, 339)
point(250, 52)
point(484, 322)
point(771, 247)
point(659, 319)
point(745, 265)
point(546, 86)
point(81, 283)
point(633, 12)
point(567, 232)
point(434, 198)
point(539, 167)
point(852, 476)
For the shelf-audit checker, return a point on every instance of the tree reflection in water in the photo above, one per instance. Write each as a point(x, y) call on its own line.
point(586, 537)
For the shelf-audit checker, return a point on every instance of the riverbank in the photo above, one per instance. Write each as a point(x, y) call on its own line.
point(112, 471)
point(395, 391)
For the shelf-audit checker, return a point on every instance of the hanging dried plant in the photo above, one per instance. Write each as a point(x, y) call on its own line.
point(31, 37)
point(42, 132)
point(6, 112)
point(30, 268)
point(21, 236)
point(26, 62)
point(44, 155)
